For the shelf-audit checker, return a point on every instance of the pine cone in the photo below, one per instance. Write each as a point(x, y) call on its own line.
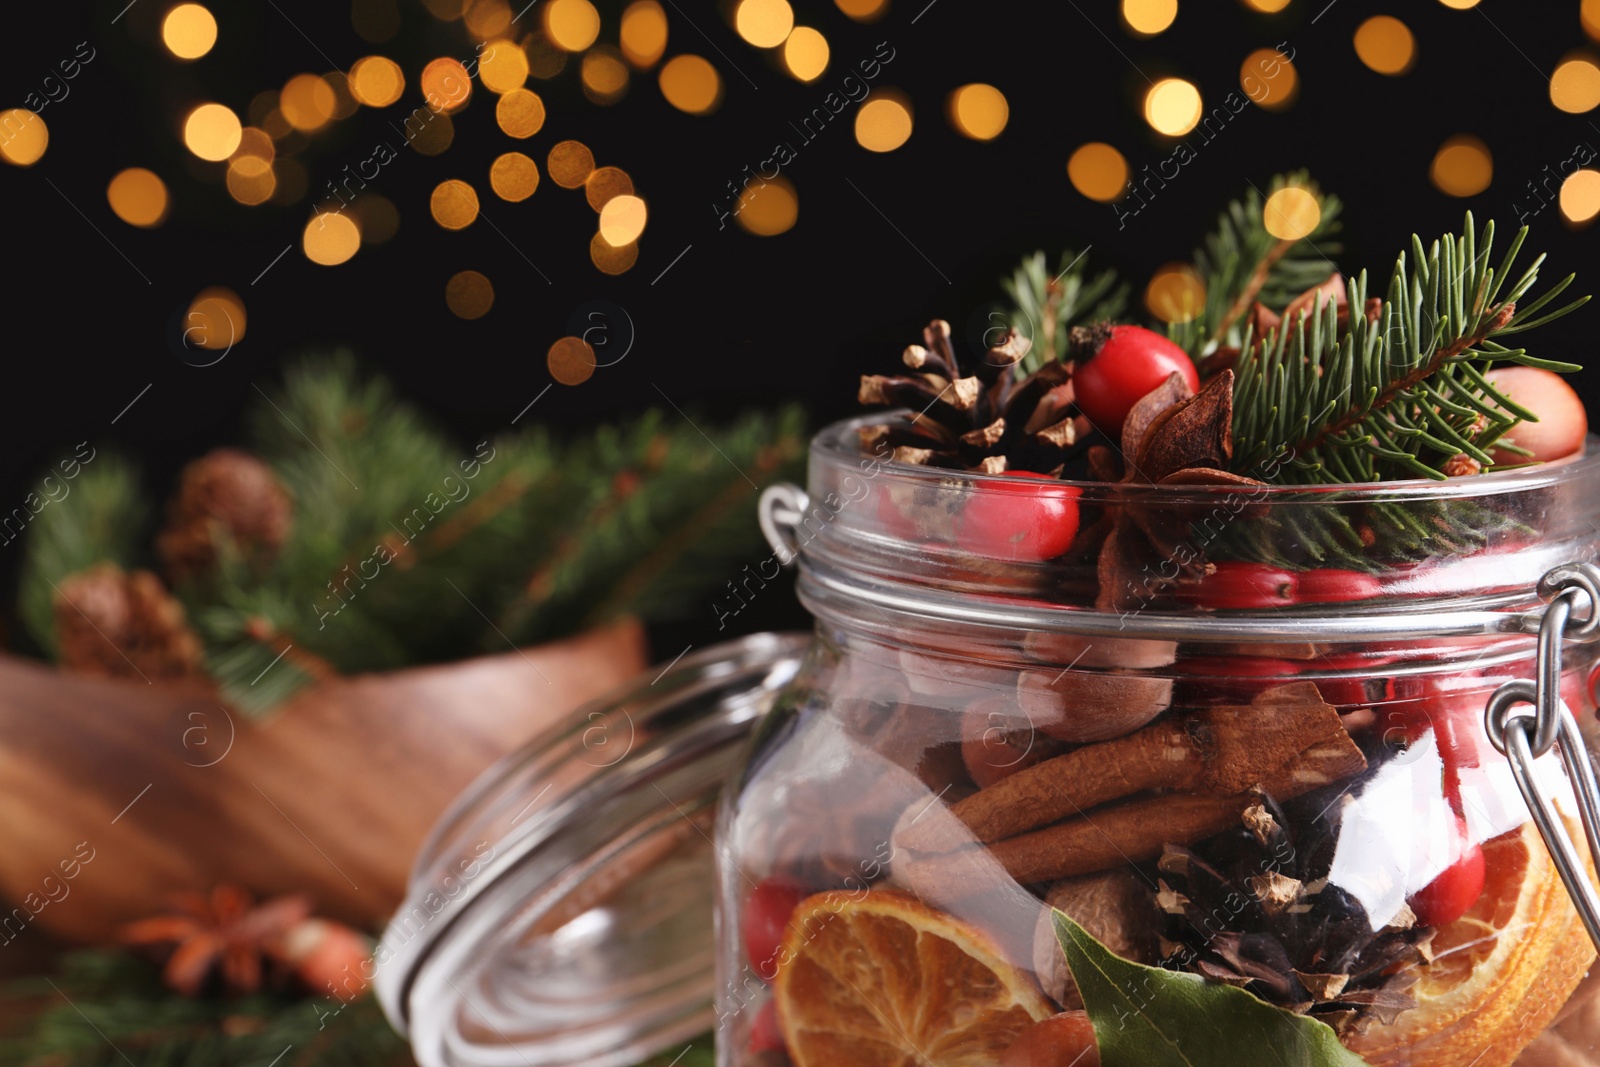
point(119, 625)
point(227, 501)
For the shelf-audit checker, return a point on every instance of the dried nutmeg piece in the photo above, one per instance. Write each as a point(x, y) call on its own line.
point(1116, 907)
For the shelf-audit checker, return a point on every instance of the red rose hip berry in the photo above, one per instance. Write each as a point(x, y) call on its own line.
point(1447, 897)
point(1118, 365)
point(1330, 586)
point(1065, 1040)
point(766, 917)
point(1241, 586)
point(1022, 516)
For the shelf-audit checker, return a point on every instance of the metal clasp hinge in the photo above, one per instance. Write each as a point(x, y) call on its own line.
point(1525, 719)
point(782, 508)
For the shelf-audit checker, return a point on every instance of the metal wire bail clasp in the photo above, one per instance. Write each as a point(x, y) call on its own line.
point(782, 508)
point(1523, 735)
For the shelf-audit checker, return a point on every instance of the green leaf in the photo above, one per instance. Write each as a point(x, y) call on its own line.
point(1148, 1017)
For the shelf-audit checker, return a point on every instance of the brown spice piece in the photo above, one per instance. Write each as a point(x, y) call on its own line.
point(1275, 891)
point(1150, 407)
point(1084, 706)
point(1194, 432)
point(1117, 908)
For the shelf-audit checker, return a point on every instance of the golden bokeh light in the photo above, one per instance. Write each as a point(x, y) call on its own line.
point(763, 23)
point(520, 113)
point(1462, 166)
point(570, 163)
point(1575, 86)
point(189, 31)
point(454, 204)
point(571, 24)
point(1460, 5)
point(605, 75)
point(254, 141)
point(1176, 293)
point(513, 176)
point(805, 53)
point(211, 132)
point(1385, 45)
point(431, 138)
point(571, 361)
point(330, 238)
point(307, 102)
point(138, 197)
point(691, 84)
point(375, 21)
point(377, 218)
point(23, 137)
point(503, 66)
point(1098, 171)
point(768, 210)
point(1291, 213)
point(1268, 79)
point(610, 259)
point(215, 320)
point(1172, 106)
point(1146, 18)
point(863, 10)
point(1580, 196)
point(978, 111)
point(251, 180)
point(622, 220)
point(488, 18)
point(1589, 15)
point(345, 103)
point(1270, 7)
point(883, 123)
point(605, 183)
point(377, 81)
point(644, 33)
point(469, 294)
point(545, 60)
point(446, 10)
point(446, 86)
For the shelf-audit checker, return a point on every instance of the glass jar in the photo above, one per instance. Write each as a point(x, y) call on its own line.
point(1236, 733)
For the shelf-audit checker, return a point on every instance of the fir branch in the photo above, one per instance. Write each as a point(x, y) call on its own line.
point(1045, 307)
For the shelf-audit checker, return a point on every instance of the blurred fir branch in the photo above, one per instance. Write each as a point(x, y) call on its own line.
point(407, 548)
point(107, 1008)
point(1046, 305)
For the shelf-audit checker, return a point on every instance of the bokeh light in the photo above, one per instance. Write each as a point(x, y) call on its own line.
point(215, 320)
point(1098, 171)
point(612, 259)
point(763, 23)
point(604, 74)
point(1176, 293)
point(469, 294)
point(1147, 18)
point(251, 180)
point(805, 53)
point(883, 123)
point(1172, 106)
point(1462, 166)
point(211, 132)
point(691, 84)
point(1589, 15)
point(377, 217)
point(1459, 5)
point(622, 220)
point(307, 102)
point(768, 210)
point(1269, 7)
point(1268, 79)
point(1575, 86)
point(520, 113)
point(570, 163)
point(330, 238)
point(1291, 213)
point(545, 60)
point(23, 137)
point(978, 111)
point(487, 18)
point(1385, 45)
point(253, 141)
point(503, 66)
point(138, 197)
point(571, 24)
point(446, 10)
point(345, 103)
point(1580, 196)
point(377, 81)
point(454, 204)
point(570, 361)
point(446, 86)
point(605, 183)
point(189, 31)
point(863, 10)
point(644, 33)
point(513, 176)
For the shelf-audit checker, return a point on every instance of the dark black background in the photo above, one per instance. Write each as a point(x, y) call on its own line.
point(883, 243)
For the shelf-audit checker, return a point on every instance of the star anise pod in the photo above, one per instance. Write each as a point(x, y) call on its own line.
point(223, 932)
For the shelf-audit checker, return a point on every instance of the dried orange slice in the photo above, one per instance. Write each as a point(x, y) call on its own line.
point(1500, 973)
point(879, 979)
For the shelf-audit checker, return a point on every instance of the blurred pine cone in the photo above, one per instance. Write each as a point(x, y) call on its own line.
point(117, 624)
point(227, 500)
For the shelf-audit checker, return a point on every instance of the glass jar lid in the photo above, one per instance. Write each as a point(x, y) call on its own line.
point(560, 911)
